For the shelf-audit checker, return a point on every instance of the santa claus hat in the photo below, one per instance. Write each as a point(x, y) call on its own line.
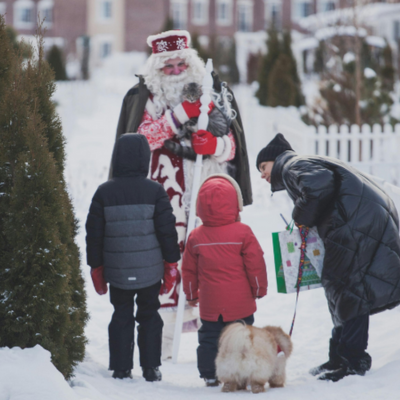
point(175, 41)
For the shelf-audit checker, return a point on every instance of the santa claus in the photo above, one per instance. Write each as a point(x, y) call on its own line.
point(156, 109)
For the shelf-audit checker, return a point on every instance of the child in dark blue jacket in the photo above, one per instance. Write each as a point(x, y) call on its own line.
point(132, 244)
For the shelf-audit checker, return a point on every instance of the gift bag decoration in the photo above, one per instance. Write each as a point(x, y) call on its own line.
point(287, 260)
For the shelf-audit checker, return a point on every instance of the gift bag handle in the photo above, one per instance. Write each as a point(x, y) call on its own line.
point(303, 234)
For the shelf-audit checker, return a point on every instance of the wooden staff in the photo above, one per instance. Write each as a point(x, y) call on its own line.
point(202, 123)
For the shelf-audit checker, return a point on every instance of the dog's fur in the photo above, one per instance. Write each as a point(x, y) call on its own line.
point(248, 356)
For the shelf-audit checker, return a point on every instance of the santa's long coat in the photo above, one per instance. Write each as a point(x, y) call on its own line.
point(131, 116)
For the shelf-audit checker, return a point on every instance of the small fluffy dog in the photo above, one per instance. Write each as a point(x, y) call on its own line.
point(250, 355)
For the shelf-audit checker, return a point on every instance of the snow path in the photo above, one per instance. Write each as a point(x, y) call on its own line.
point(89, 113)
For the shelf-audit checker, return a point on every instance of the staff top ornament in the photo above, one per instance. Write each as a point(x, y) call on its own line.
point(169, 41)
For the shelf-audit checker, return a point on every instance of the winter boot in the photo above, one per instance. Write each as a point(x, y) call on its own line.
point(354, 362)
point(152, 374)
point(211, 382)
point(334, 362)
point(122, 374)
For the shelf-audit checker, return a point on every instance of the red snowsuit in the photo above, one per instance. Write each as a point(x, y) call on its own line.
point(223, 263)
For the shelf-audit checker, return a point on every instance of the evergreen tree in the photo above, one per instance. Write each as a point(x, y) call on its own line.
point(55, 59)
point(41, 287)
point(253, 66)
point(85, 57)
point(319, 62)
point(231, 62)
point(292, 68)
point(387, 71)
point(168, 25)
point(24, 48)
point(203, 54)
point(225, 57)
point(337, 88)
point(267, 63)
point(282, 90)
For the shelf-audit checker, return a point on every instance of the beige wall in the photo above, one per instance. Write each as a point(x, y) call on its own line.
point(106, 30)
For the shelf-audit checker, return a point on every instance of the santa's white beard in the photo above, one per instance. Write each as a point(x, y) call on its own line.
point(167, 89)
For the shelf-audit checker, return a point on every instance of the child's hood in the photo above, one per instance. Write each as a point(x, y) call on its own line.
point(219, 200)
point(131, 156)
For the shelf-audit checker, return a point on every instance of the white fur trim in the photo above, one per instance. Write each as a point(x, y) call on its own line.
point(165, 34)
point(232, 181)
point(150, 108)
point(210, 167)
point(220, 147)
point(180, 113)
point(226, 150)
point(169, 119)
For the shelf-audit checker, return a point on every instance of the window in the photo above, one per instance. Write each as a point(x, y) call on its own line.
point(105, 10)
point(245, 16)
point(105, 49)
point(45, 11)
point(396, 30)
point(302, 8)
point(224, 12)
point(179, 13)
point(272, 13)
point(24, 15)
point(200, 12)
point(2, 8)
point(326, 5)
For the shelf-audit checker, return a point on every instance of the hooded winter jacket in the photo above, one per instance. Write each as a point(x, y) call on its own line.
point(359, 225)
point(223, 263)
point(130, 227)
point(131, 115)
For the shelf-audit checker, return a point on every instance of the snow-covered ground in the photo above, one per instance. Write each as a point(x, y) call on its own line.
point(89, 112)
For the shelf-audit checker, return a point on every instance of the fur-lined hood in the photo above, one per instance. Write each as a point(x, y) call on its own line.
point(219, 201)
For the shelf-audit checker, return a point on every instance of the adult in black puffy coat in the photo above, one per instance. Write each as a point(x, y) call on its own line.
point(359, 226)
point(131, 237)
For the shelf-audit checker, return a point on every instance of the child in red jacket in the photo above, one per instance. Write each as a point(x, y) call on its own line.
point(223, 268)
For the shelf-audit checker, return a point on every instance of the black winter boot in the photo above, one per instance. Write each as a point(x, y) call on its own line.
point(354, 362)
point(152, 374)
point(122, 374)
point(334, 362)
point(211, 382)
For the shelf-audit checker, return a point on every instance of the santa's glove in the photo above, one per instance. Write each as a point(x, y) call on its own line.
point(171, 275)
point(99, 282)
point(204, 142)
point(186, 110)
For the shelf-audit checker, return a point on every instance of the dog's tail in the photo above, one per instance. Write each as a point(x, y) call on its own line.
point(283, 339)
point(234, 336)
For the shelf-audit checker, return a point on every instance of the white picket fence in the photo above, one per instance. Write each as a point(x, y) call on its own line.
point(373, 150)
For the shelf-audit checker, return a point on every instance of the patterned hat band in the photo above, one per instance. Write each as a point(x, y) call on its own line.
point(169, 44)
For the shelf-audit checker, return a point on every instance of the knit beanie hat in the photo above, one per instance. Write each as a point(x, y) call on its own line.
point(273, 149)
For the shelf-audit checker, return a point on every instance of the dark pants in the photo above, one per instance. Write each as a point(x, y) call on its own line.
point(122, 325)
point(351, 339)
point(208, 344)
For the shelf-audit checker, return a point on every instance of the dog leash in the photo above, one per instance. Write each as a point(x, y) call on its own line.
point(303, 234)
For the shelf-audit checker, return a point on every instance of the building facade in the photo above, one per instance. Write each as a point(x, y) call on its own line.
point(105, 28)
point(64, 21)
point(102, 27)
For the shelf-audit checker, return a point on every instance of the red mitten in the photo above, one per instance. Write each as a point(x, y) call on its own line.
point(99, 282)
point(171, 274)
point(186, 110)
point(204, 142)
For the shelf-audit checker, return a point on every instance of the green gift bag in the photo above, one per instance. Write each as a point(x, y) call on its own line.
point(286, 247)
point(280, 277)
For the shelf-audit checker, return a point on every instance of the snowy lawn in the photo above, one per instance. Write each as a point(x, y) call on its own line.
point(90, 113)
